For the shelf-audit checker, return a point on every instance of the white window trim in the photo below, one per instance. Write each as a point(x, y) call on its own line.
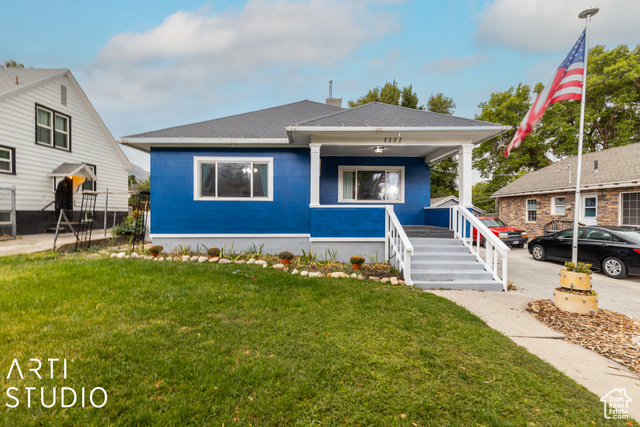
point(357, 168)
point(583, 206)
point(621, 207)
point(526, 214)
point(197, 177)
point(553, 205)
point(10, 160)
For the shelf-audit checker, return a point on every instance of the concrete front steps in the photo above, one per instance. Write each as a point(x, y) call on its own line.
point(445, 263)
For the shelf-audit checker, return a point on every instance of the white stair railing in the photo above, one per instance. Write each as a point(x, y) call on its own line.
point(398, 249)
point(463, 223)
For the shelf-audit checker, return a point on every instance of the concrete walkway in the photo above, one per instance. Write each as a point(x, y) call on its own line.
point(506, 313)
point(41, 242)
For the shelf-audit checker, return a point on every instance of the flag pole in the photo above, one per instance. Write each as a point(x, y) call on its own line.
point(585, 14)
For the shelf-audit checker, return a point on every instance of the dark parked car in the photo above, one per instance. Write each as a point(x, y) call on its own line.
point(614, 250)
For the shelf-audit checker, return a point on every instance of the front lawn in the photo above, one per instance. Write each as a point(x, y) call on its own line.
point(188, 343)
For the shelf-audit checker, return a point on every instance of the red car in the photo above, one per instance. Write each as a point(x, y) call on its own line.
point(510, 236)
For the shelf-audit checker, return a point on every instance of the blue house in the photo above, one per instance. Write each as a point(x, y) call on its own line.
point(305, 176)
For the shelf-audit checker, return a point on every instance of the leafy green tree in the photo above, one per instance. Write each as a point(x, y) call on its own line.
point(612, 118)
point(439, 103)
point(12, 64)
point(444, 174)
point(390, 93)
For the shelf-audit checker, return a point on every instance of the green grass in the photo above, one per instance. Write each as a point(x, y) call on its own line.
point(177, 344)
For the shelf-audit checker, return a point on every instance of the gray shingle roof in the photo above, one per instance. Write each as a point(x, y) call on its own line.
point(267, 123)
point(615, 166)
point(25, 77)
point(380, 114)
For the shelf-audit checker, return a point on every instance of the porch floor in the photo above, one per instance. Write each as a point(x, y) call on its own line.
point(428, 231)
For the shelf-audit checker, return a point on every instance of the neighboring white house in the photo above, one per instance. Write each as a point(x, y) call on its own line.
point(53, 145)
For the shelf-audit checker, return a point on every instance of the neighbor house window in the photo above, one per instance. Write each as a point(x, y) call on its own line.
point(370, 184)
point(7, 160)
point(233, 178)
point(630, 208)
point(532, 210)
point(89, 184)
point(558, 206)
point(5, 217)
point(52, 128)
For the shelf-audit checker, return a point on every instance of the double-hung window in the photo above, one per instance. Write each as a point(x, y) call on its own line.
point(52, 128)
point(7, 160)
point(558, 206)
point(532, 210)
point(370, 184)
point(233, 178)
point(630, 208)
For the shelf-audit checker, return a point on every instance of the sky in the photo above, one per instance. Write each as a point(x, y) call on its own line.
point(148, 65)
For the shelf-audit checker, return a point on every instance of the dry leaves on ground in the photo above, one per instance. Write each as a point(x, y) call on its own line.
point(610, 334)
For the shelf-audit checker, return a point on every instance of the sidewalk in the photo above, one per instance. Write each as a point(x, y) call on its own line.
point(506, 313)
point(31, 243)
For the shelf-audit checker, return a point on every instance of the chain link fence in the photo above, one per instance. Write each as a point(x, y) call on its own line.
point(7, 213)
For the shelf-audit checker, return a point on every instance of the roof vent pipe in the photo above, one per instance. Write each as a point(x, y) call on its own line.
point(334, 102)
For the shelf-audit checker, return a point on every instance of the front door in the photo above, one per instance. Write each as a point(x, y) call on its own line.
point(589, 210)
point(64, 197)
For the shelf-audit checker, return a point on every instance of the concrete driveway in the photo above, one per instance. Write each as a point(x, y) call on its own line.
point(537, 280)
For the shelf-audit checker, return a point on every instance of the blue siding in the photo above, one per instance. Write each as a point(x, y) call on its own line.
point(175, 211)
point(417, 183)
point(347, 222)
point(437, 217)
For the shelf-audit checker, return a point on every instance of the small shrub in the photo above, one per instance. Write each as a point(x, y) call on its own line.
point(356, 260)
point(285, 255)
point(213, 252)
point(155, 249)
point(580, 268)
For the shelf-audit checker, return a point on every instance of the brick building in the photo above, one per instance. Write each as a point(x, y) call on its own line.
point(609, 189)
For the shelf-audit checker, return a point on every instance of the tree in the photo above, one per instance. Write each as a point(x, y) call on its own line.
point(390, 93)
point(612, 118)
point(12, 64)
point(439, 103)
point(444, 174)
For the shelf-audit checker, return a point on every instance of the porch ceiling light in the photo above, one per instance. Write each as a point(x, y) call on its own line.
point(378, 149)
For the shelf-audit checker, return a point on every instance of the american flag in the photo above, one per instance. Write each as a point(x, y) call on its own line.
point(566, 83)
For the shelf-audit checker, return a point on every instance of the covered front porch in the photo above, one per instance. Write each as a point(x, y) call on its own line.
point(367, 183)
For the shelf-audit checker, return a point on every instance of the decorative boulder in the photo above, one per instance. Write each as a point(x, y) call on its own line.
point(121, 254)
point(214, 259)
point(374, 278)
point(304, 273)
point(186, 258)
point(384, 280)
point(240, 261)
point(337, 275)
point(278, 266)
point(354, 276)
point(114, 255)
point(360, 277)
point(225, 261)
point(134, 255)
point(161, 258)
point(295, 271)
point(394, 280)
point(194, 258)
point(203, 259)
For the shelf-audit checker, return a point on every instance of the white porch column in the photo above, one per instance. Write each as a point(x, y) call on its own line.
point(464, 175)
point(315, 174)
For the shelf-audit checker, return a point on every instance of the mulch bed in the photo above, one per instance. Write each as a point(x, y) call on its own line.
point(610, 334)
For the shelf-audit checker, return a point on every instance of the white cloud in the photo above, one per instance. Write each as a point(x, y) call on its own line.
point(192, 58)
point(450, 64)
point(552, 25)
